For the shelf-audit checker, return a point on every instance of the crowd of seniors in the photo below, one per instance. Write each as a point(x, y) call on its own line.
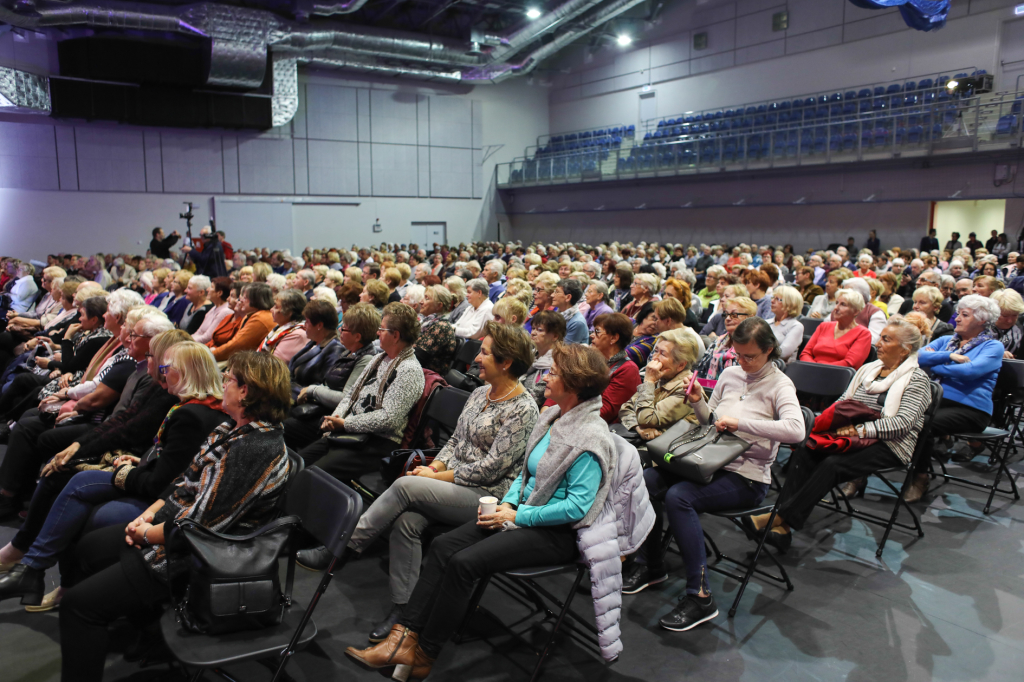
point(117, 420)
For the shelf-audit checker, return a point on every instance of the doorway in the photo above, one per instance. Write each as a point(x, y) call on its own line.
point(426, 234)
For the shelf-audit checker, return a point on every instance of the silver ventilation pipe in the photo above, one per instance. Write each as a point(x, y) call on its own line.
point(100, 16)
point(369, 41)
point(326, 8)
point(373, 67)
point(496, 73)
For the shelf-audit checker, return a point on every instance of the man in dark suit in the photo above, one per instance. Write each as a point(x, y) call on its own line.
point(929, 243)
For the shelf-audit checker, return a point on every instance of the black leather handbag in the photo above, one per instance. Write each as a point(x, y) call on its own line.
point(233, 582)
point(309, 411)
point(400, 462)
point(695, 452)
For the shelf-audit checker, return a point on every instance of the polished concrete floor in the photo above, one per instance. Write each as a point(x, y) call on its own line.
point(948, 606)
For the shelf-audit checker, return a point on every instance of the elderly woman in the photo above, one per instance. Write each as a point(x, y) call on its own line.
point(310, 365)
point(288, 336)
point(548, 331)
point(715, 326)
point(482, 458)
point(864, 266)
point(435, 346)
point(376, 294)
point(199, 304)
point(644, 289)
point(787, 303)
point(721, 354)
point(543, 289)
point(710, 291)
point(176, 303)
point(622, 283)
point(1008, 327)
point(471, 324)
point(644, 331)
point(562, 488)
point(612, 333)
point(230, 324)
point(680, 290)
point(900, 391)
point(116, 582)
point(96, 498)
point(660, 401)
point(457, 287)
point(378, 405)
point(889, 297)
point(218, 294)
point(23, 292)
point(758, 403)
point(822, 306)
point(254, 304)
point(596, 296)
point(967, 365)
point(928, 301)
point(45, 309)
point(413, 296)
point(358, 330)
point(870, 316)
point(840, 341)
point(986, 285)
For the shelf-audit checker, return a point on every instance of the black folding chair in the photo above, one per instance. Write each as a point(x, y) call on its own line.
point(1011, 383)
point(750, 568)
point(890, 521)
point(818, 384)
point(465, 353)
point(328, 510)
point(810, 325)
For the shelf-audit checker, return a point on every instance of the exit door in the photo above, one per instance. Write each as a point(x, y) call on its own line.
point(425, 234)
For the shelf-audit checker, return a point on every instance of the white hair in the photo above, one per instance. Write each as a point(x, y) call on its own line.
point(322, 293)
point(276, 283)
point(985, 309)
point(120, 302)
point(860, 286)
point(415, 293)
point(201, 282)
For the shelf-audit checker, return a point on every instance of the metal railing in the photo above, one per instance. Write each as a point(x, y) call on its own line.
point(990, 121)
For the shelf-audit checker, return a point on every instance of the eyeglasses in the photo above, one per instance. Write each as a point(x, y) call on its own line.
point(228, 376)
point(734, 316)
point(385, 330)
point(149, 355)
point(750, 358)
point(162, 369)
point(133, 335)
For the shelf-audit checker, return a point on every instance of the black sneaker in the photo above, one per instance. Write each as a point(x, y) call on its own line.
point(689, 614)
point(639, 576)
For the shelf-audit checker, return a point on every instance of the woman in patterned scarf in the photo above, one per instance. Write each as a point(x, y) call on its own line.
point(232, 486)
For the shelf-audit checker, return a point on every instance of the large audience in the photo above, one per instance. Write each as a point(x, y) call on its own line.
point(132, 384)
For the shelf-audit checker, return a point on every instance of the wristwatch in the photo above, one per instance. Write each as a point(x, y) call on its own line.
point(860, 430)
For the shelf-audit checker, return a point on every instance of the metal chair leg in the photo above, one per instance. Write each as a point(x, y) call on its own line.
point(753, 562)
point(558, 623)
point(474, 602)
point(325, 580)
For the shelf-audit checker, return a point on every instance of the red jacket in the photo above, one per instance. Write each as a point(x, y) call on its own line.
point(621, 388)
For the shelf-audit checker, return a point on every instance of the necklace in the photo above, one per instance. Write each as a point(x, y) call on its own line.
point(498, 400)
point(747, 386)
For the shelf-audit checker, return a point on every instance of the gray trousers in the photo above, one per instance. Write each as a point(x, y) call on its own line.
point(412, 504)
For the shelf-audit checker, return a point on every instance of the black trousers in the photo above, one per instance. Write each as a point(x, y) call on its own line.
point(812, 474)
point(299, 433)
point(21, 395)
point(32, 444)
point(458, 559)
point(107, 592)
point(952, 418)
point(348, 464)
point(47, 490)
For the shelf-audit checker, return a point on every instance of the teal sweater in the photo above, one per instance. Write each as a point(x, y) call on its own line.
point(571, 500)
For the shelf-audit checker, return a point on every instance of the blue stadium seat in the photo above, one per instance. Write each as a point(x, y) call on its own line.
point(924, 84)
point(893, 89)
point(879, 90)
point(915, 134)
point(865, 93)
point(1007, 125)
point(849, 142)
point(909, 85)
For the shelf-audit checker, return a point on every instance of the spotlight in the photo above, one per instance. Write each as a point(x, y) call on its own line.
point(952, 85)
point(533, 13)
point(624, 40)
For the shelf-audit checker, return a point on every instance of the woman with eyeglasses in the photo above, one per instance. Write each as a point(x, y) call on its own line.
point(758, 403)
point(371, 421)
point(721, 353)
point(181, 370)
point(840, 341)
point(660, 400)
point(543, 290)
point(232, 486)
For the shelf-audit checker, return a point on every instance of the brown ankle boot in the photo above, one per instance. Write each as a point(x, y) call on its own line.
point(381, 655)
point(917, 489)
point(410, 661)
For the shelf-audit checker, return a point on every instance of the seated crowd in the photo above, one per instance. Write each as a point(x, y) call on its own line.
point(127, 394)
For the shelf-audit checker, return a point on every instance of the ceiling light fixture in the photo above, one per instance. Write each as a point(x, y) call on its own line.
point(533, 13)
point(624, 40)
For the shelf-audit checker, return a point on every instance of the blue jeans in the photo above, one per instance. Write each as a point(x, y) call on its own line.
point(90, 498)
point(685, 501)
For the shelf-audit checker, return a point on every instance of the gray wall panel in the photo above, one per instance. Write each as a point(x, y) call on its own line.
point(28, 157)
point(754, 29)
point(110, 160)
point(67, 159)
point(192, 162)
point(154, 161)
point(229, 147)
point(451, 173)
point(301, 166)
point(395, 171)
point(333, 168)
point(266, 166)
point(478, 176)
point(423, 169)
point(392, 117)
point(331, 112)
point(365, 169)
point(363, 113)
point(813, 15)
point(451, 122)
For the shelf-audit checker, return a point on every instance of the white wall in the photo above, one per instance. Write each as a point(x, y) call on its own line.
point(53, 192)
point(831, 45)
point(980, 217)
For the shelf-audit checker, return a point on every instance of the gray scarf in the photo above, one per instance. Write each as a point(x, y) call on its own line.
point(580, 430)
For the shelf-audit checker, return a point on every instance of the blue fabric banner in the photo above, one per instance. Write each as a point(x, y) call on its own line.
point(923, 15)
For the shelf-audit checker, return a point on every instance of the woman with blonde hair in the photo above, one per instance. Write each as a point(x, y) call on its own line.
point(786, 306)
point(393, 278)
point(840, 341)
point(245, 274)
point(159, 292)
point(375, 293)
point(260, 272)
point(660, 401)
point(721, 354)
point(928, 301)
point(1008, 327)
point(509, 310)
point(644, 289)
point(543, 288)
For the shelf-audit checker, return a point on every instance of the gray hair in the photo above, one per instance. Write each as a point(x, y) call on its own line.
point(415, 293)
point(496, 264)
point(201, 282)
point(307, 275)
point(906, 332)
point(480, 285)
point(120, 302)
point(985, 309)
point(457, 287)
point(154, 322)
point(860, 286)
point(443, 297)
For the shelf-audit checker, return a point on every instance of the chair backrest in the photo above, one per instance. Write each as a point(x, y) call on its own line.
point(296, 465)
point(925, 434)
point(818, 379)
point(465, 354)
point(328, 508)
point(445, 407)
point(810, 324)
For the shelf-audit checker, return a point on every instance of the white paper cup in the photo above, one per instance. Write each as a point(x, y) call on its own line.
point(488, 505)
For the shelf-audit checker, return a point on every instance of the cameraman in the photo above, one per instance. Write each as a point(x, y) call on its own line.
point(210, 259)
point(160, 247)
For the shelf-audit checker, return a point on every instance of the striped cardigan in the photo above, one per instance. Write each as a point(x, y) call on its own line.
point(901, 431)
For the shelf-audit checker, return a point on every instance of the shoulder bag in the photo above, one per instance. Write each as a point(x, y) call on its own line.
point(233, 579)
point(695, 452)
